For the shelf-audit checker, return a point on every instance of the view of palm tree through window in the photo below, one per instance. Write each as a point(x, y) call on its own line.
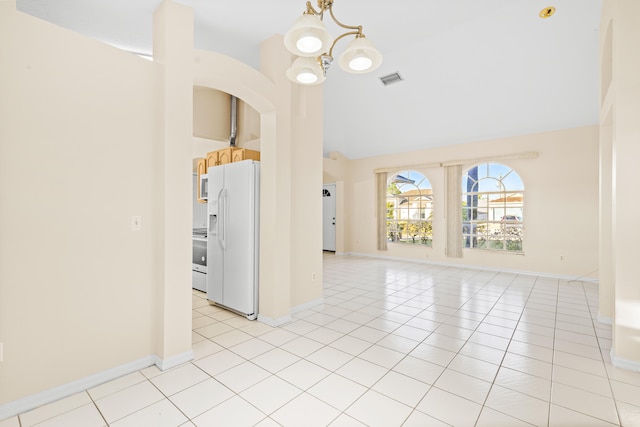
point(492, 208)
point(410, 209)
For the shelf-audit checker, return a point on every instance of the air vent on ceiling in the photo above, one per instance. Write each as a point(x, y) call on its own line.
point(391, 78)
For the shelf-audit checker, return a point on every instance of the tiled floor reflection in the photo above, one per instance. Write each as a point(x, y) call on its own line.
point(394, 344)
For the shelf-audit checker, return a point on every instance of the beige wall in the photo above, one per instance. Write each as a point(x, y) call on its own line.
point(560, 210)
point(620, 109)
point(91, 136)
point(77, 139)
point(212, 118)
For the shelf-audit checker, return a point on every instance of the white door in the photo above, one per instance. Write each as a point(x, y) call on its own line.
point(329, 217)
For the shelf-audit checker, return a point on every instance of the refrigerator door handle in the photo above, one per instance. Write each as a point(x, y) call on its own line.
point(222, 218)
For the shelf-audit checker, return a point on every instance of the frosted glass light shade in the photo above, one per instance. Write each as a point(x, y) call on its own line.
point(308, 37)
point(306, 71)
point(360, 57)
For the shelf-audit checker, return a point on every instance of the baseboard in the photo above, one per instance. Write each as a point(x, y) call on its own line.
point(288, 318)
point(274, 322)
point(307, 305)
point(477, 267)
point(630, 365)
point(65, 390)
point(172, 362)
point(605, 319)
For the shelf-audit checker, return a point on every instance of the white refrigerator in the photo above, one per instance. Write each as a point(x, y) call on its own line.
point(233, 230)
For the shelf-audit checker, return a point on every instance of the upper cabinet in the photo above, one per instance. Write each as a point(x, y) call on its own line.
point(244, 154)
point(201, 168)
point(228, 155)
point(219, 157)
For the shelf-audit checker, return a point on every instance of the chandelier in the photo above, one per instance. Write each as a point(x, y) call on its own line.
point(312, 43)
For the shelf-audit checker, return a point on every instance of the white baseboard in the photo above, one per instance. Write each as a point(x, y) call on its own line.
point(478, 267)
point(65, 390)
point(307, 305)
point(173, 361)
point(631, 365)
point(288, 318)
point(274, 322)
point(605, 319)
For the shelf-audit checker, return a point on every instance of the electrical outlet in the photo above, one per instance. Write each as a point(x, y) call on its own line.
point(313, 276)
point(136, 223)
point(1, 351)
point(561, 257)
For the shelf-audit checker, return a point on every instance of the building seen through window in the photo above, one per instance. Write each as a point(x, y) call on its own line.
point(410, 209)
point(492, 208)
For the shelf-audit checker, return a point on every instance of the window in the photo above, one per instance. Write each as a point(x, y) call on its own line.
point(492, 208)
point(409, 209)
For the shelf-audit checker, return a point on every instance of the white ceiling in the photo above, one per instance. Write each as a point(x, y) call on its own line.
point(473, 69)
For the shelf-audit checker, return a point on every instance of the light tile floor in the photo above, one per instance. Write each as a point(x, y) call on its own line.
point(394, 344)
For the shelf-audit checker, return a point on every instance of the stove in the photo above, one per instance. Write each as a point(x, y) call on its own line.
point(199, 264)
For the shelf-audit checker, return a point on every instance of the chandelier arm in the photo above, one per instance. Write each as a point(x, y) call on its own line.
point(311, 10)
point(348, 27)
point(349, 33)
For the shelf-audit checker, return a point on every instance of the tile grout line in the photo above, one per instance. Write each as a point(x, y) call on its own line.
point(553, 352)
point(506, 349)
point(606, 371)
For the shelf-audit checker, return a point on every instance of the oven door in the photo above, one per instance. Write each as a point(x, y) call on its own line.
point(200, 254)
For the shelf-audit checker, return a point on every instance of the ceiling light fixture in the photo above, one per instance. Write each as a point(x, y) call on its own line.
point(312, 43)
point(547, 12)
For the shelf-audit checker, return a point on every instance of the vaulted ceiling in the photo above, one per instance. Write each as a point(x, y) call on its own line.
point(472, 69)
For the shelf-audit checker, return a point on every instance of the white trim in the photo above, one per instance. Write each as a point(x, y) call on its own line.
point(56, 393)
point(497, 158)
point(493, 159)
point(605, 319)
point(274, 322)
point(173, 361)
point(65, 390)
point(480, 267)
point(631, 365)
point(394, 169)
point(307, 305)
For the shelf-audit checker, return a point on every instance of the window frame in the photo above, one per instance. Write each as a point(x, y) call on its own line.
point(402, 226)
point(501, 228)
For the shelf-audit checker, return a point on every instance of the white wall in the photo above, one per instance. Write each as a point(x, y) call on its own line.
point(79, 130)
point(560, 204)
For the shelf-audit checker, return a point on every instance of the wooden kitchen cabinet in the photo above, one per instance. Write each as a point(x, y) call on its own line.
point(226, 155)
point(245, 154)
point(211, 159)
point(201, 168)
point(220, 157)
point(229, 155)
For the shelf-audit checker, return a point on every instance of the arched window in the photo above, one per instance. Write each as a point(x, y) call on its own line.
point(409, 209)
point(492, 208)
